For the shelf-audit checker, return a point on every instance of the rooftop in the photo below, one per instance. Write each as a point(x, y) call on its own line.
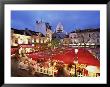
point(26, 32)
point(86, 30)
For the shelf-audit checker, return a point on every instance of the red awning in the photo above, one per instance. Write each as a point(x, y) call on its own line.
point(26, 46)
point(85, 57)
point(36, 55)
point(67, 57)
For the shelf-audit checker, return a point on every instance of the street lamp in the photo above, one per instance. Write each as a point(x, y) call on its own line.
point(76, 51)
point(76, 60)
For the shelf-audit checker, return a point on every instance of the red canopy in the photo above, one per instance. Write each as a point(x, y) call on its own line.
point(36, 55)
point(67, 57)
point(85, 57)
point(26, 46)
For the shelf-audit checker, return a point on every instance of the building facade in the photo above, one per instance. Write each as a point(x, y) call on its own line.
point(87, 36)
point(48, 32)
point(26, 37)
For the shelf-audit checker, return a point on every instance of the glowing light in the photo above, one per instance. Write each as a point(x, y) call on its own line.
point(37, 40)
point(87, 44)
point(76, 51)
point(93, 69)
point(78, 43)
point(20, 41)
point(32, 40)
point(93, 44)
point(32, 44)
point(82, 44)
point(76, 62)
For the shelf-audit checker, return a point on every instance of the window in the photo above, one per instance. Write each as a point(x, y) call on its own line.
point(97, 35)
point(89, 35)
point(34, 39)
point(97, 40)
point(29, 41)
point(74, 36)
point(16, 40)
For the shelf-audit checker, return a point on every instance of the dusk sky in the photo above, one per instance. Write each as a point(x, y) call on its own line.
point(70, 20)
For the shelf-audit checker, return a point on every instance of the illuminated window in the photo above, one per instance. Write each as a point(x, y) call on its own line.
point(16, 40)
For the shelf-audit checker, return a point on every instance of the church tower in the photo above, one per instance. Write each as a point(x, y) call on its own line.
point(48, 31)
point(41, 27)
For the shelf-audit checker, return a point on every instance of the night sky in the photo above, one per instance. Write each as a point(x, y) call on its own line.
point(70, 20)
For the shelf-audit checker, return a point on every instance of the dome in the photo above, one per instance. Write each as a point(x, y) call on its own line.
point(59, 28)
point(58, 35)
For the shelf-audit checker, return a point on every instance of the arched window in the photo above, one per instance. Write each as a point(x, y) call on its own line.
point(16, 40)
point(34, 39)
point(89, 35)
point(97, 40)
point(29, 41)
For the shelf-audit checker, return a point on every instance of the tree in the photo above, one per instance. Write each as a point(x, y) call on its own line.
point(55, 43)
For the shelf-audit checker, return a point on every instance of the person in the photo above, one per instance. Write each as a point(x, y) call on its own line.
point(63, 71)
point(79, 71)
point(17, 55)
point(23, 65)
point(60, 72)
point(97, 74)
point(72, 71)
point(85, 72)
point(32, 68)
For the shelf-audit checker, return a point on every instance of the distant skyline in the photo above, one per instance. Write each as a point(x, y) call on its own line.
point(70, 20)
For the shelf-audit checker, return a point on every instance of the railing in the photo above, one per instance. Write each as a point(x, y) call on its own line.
point(48, 71)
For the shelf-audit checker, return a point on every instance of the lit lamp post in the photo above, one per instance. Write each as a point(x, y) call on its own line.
point(76, 60)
